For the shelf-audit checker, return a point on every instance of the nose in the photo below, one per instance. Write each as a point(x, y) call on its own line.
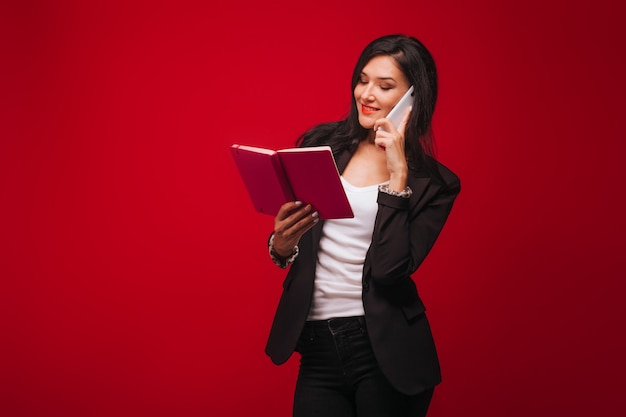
point(367, 93)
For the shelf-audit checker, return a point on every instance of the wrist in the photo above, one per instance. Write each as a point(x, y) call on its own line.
point(279, 259)
point(397, 182)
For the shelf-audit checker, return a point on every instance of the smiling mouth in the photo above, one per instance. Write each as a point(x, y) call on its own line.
point(367, 109)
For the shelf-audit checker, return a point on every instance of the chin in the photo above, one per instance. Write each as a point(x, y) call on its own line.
point(366, 123)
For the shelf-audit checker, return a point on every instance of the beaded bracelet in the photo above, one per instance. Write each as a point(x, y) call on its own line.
point(406, 193)
point(278, 260)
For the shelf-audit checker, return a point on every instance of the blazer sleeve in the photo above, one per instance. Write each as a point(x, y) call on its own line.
point(406, 229)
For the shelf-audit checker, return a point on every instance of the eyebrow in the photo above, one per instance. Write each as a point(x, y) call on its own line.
point(380, 78)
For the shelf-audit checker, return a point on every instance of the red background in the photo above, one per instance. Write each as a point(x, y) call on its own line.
point(134, 275)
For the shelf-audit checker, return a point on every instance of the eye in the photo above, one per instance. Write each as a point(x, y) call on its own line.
point(385, 88)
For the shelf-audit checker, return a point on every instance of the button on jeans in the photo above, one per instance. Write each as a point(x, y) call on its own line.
point(339, 375)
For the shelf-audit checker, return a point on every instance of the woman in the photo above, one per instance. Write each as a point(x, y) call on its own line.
point(349, 305)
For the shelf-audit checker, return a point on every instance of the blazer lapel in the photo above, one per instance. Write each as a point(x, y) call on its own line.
point(342, 160)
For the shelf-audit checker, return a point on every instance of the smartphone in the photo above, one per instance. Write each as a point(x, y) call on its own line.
point(399, 110)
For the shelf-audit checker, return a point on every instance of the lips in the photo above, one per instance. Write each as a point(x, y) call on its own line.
point(367, 109)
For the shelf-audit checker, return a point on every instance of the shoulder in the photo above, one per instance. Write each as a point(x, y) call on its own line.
point(449, 177)
point(439, 174)
point(318, 135)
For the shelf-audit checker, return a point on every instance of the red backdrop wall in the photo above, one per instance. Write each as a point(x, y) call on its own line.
point(134, 275)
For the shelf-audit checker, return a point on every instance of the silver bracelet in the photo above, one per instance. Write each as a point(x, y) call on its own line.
point(406, 193)
point(279, 260)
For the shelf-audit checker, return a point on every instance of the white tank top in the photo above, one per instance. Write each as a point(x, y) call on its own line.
point(342, 249)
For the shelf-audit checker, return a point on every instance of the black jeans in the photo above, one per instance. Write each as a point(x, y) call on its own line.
point(339, 375)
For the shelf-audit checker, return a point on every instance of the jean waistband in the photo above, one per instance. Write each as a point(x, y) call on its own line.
point(338, 323)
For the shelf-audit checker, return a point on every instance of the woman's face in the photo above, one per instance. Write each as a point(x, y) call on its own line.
point(381, 85)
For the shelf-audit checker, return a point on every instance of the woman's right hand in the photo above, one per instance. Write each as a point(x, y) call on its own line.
point(293, 219)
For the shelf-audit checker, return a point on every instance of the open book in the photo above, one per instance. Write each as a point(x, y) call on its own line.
point(296, 174)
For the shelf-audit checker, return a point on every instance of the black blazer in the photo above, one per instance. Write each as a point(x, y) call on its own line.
point(404, 232)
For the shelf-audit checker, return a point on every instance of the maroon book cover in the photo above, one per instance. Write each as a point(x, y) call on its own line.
point(309, 175)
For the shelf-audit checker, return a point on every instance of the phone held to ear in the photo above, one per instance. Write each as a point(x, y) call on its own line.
point(399, 110)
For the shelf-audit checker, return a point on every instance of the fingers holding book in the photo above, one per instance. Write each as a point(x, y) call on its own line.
point(293, 219)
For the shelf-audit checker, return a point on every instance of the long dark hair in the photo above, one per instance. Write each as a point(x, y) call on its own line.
point(418, 66)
